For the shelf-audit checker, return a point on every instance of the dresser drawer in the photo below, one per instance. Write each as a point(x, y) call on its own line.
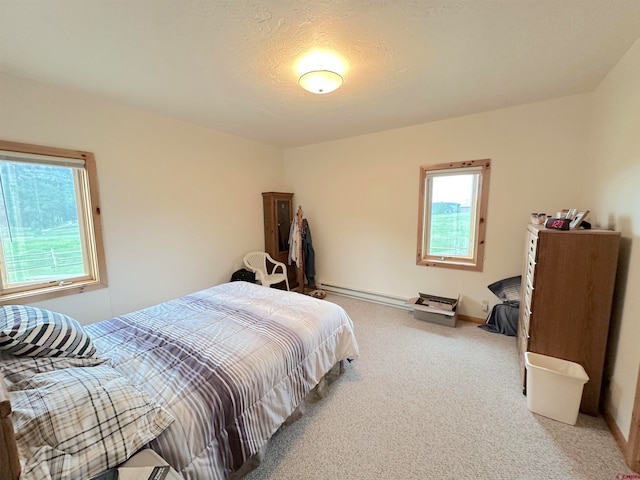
point(531, 269)
point(523, 345)
point(532, 245)
point(525, 320)
point(528, 296)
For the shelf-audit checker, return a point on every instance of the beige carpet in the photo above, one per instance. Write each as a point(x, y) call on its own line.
point(426, 401)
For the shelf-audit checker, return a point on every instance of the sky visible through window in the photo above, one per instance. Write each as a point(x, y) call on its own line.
point(453, 189)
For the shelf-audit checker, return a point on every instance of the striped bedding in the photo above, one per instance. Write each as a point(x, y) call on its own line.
point(230, 363)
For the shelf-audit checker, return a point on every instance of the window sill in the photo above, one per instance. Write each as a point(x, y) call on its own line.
point(46, 293)
point(455, 264)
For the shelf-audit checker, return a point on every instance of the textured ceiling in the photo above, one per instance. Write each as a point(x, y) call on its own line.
point(230, 64)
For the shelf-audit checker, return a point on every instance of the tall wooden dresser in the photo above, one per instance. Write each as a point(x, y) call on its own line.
point(278, 214)
point(567, 290)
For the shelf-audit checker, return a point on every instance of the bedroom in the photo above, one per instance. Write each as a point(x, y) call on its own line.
point(165, 183)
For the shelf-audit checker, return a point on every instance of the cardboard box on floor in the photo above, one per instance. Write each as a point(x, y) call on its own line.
point(433, 314)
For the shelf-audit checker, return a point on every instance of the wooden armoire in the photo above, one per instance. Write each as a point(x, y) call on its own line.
point(278, 214)
point(567, 292)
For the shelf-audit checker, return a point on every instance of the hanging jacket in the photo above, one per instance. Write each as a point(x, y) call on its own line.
point(308, 254)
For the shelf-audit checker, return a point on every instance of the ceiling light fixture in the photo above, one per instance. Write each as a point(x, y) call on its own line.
point(320, 81)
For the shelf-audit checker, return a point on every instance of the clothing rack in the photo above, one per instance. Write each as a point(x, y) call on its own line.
point(312, 290)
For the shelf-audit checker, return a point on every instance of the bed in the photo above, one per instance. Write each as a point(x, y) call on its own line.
point(206, 380)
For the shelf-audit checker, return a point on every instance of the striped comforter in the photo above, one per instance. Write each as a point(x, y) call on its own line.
point(230, 363)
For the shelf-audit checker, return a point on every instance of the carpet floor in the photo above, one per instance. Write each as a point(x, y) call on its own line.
point(426, 401)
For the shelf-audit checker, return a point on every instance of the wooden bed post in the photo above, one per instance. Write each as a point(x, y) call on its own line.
point(9, 461)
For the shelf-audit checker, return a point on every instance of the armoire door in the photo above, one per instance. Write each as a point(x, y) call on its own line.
point(278, 214)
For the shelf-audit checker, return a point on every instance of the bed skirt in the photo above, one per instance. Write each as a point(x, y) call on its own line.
point(318, 393)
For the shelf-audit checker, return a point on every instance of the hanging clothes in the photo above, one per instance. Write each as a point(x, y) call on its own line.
point(295, 240)
point(308, 255)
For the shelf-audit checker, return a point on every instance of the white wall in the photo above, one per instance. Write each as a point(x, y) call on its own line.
point(180, 204)
point(613, 189)
point(360, 195)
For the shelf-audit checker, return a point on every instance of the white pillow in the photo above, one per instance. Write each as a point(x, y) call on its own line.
point(36, 332)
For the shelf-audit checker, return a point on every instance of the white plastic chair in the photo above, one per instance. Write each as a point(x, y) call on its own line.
point(257, 263)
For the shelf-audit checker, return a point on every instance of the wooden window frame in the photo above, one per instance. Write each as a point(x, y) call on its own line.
point(475, 263)
point(94, 249)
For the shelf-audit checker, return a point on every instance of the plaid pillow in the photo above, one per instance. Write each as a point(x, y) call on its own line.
point(15, 369)
point(77, 422)
point(36, 332)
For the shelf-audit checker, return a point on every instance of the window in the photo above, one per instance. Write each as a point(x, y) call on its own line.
point(50, 231)
point(453, 210)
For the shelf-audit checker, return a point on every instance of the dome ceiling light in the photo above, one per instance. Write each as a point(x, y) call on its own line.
point(320, 81)
point(321, 72)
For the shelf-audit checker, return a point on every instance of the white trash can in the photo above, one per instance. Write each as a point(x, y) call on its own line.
point(554, 387)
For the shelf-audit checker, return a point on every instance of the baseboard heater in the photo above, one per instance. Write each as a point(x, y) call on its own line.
point(383, 298)
point(375, 297)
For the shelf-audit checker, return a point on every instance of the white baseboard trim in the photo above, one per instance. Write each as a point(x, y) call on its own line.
point(375, 297)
